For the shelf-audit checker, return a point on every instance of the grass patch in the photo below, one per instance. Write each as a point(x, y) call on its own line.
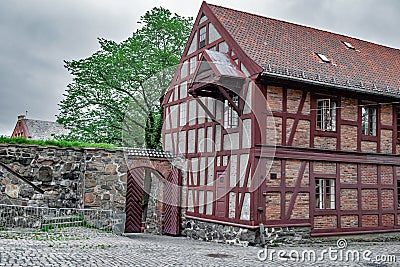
point(47, 228)
point(23, 141)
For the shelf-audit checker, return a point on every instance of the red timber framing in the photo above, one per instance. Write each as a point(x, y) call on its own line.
point(240, 206)
point(364, 168)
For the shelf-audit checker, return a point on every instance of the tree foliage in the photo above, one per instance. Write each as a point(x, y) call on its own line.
point(116, 91)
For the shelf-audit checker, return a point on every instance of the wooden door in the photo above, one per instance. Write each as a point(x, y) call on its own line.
point(172, 204)
point(134, 198)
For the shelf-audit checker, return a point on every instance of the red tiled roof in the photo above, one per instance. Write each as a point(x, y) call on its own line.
point(290, 49)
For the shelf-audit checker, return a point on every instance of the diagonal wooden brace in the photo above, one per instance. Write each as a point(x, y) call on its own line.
point(227, 97)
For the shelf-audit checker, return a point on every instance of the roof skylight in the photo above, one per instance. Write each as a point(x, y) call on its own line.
point(349, 45)
point(323, 58)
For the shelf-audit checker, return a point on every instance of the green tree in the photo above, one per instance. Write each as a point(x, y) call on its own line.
point(116, 91)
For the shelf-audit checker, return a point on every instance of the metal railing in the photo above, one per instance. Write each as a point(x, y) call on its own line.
point(28, 218)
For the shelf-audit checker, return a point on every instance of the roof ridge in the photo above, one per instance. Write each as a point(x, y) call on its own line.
point(301, 25)
point(39, 120)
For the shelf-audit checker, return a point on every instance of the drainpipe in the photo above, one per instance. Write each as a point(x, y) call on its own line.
point(262, 231)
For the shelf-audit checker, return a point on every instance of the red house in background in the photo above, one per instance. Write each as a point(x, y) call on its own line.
point(286, 125)
point(37, 129)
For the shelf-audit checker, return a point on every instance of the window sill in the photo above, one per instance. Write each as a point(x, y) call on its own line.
point(369, 138)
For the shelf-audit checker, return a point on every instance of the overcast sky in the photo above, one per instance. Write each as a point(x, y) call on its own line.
point(36, 36)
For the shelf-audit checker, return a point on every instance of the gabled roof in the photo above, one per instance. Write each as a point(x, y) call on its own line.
point(44, 130)
point(290, 50)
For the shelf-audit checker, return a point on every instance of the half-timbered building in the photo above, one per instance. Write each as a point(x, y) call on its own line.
point(285, 125)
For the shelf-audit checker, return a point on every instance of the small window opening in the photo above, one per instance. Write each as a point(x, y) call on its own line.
point(349, 45)
point(326, 115)
point(323, 58)
point(202, 40)
point(231, 117)
point(325, 193)
point(369, 120)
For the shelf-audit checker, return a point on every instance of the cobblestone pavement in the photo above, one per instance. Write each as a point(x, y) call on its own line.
point(85, 247)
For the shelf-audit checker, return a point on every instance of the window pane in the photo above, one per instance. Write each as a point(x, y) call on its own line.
point(368, 121)
point(319, 116)
point(373, 121)
point(333, 116)
point(325, 193)
point(364, 120)
point(231, 117)
point(319, 195)
point(226, 111)
point(326, 115)
point(330, 194)
point(202, 40)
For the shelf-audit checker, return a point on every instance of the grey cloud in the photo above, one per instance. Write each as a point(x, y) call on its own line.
point(37, 35)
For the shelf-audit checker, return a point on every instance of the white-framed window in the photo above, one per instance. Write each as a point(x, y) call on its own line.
point(325, 193)
point(326, 115)
point(202, 37)
point(368, 118)
point(231, 117)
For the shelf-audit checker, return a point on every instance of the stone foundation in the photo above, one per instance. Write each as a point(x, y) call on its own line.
point(273, 236)
point(243, 237)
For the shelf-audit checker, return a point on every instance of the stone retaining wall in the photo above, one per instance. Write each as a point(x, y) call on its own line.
point(73, 178)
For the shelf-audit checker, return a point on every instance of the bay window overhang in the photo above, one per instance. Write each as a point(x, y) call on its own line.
point(217, 76)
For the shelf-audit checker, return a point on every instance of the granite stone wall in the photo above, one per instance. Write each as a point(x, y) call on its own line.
point(58, 172)
point(76, 178)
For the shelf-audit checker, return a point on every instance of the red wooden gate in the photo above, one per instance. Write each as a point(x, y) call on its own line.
point(134, 196)
point(172, 204)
